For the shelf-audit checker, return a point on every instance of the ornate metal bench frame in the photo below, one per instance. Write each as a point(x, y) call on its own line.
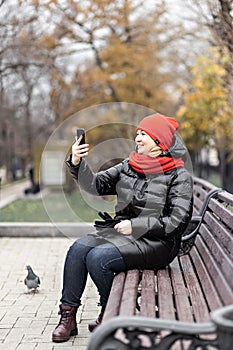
point(135, 331)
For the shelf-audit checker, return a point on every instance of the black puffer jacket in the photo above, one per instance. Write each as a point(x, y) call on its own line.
point(158, 205)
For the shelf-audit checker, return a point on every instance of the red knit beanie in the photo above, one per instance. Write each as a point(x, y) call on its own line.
point(160, 128)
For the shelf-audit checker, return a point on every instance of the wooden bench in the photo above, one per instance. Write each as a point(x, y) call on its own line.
point(189, 304)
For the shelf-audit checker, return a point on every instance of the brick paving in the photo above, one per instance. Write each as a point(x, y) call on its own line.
point(27, 320)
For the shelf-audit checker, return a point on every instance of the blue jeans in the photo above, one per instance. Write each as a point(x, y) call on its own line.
point(94, 256)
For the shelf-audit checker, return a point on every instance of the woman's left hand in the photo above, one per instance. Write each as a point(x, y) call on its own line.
point(124, 227)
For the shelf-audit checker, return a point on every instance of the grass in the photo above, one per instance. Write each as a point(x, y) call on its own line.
point(56, 207)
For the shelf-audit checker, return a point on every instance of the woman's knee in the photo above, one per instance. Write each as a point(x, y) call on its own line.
point(94, 258)
point(79, 247)
point(105, 257)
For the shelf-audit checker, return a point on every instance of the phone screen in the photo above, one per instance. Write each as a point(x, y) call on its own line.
point(81, 131)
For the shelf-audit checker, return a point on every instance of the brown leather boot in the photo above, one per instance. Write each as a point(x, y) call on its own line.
point(93, 324)
point(67, 325)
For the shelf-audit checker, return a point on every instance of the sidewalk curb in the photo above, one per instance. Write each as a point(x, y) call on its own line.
point(45, 229)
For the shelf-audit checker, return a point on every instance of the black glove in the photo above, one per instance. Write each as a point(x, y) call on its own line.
point(108, 222)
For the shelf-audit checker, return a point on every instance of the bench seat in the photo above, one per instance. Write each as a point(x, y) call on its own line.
point(178, 305)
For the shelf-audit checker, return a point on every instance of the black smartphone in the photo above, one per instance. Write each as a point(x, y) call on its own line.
point(79, 132)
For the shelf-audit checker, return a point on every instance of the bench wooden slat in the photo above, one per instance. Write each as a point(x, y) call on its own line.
point(183, 307)
point(197, 204)
point(182, 302)
point(165, 295)
point(130, 292)
point(207, 285)
point(226, 197)
point(222, 212)
point(202, 184)
point(200, 309)
point(113, 304)
point(221, 233)
point(148, 294)
point(166, 305)
point(224, 263)
point(219, 281)
point(200, 193)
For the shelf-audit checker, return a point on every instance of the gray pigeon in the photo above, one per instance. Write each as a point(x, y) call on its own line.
point(32, 281)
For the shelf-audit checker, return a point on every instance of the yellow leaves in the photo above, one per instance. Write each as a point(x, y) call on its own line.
point(47, 41)
point(22, 35)
point(208, 77)
point(206, 111)
point(36, 3)
point(181, 112)
point(208, 67)
point(226, 59)
point(131, 75)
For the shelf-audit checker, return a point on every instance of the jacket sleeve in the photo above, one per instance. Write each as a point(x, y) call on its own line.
point(176, 214)
point(99, 184)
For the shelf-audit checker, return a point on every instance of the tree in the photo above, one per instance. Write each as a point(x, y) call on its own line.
point(58, 57)
point(23, 70)
point(212, 79)
point(125, 59)
point(206, 115)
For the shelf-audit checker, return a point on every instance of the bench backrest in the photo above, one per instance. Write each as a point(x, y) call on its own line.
point(201, 190)
point(212, 253)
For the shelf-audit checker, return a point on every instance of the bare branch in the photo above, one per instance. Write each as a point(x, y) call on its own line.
point(2, 2)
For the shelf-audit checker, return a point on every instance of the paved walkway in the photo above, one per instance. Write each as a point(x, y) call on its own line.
point(11, 192)
point(27, 320)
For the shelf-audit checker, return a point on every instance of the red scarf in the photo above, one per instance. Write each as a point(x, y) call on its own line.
point(147, 165)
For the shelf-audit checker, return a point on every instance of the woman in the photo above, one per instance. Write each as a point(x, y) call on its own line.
point(154, 206)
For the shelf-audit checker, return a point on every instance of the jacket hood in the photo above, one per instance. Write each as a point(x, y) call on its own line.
point(177, 149)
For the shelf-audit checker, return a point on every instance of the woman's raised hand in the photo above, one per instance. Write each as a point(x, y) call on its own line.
point(79, 151)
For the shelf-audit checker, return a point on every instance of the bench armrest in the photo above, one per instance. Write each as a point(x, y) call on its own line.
point(143, 331)
point(188, 237)
point(192, 228)
point(140, 333)
point(196, 221)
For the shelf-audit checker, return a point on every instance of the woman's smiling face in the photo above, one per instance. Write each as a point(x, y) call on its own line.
point(144, 142)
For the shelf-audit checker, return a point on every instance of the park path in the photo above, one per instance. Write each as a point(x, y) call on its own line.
point(12, 191)
point(27, 320)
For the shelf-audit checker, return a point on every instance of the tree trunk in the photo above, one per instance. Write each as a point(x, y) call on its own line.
point(226, 170)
